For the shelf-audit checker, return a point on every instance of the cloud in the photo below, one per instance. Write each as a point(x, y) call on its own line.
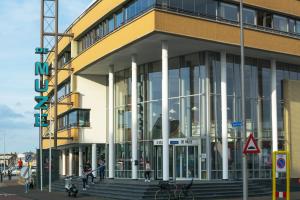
point(7, 113)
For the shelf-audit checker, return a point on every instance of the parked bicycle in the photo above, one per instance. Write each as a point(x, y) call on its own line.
point(170, 190)
point(167, 190)
point(186, 191)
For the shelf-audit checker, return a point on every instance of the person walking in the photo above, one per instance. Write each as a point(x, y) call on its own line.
point(9, 174)
point(101, 167)
point(84, 180)
point(88, 171)
point(147, 171)
point(20, 164)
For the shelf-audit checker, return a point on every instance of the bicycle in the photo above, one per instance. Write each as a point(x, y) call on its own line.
point(186, 192)
point(166, 190)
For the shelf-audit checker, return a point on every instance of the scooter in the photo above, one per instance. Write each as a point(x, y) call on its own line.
point(71, 189)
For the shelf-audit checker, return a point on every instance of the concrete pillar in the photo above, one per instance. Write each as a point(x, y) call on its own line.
point(63, 159)
point(224, 116)
point(80, 163)
point(111, 121)
point(70, 161)
point(165, 110)
point(134, 117)
point(274, 106)
point(94, 159)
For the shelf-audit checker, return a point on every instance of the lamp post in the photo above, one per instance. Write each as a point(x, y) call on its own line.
point(243, 131)
point(4, 153)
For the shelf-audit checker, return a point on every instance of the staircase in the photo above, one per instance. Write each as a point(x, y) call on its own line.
point(131, 190)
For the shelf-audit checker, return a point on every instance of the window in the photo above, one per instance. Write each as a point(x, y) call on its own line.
point(268, 19)
point(105, 28)
point(298, 27)
point(249, 16)
point(280, 23)
point(228, 11)
point(75, 118)
point(119, 19)
point(63, 90)
point(130, 11)
point(176, 4)
point(211, 8)
point(260, 18)
point(83, 118)
point(111, 24)
point(292, 26)
point(189, 5)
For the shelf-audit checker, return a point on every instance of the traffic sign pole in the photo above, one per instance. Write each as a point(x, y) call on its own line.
point(281, 164)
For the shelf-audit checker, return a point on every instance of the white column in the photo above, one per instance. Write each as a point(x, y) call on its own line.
point(207, 124)
point(63, 159)
point(165, 110)
point(94, 159)
point(134, 117)
point(224, 115)
point(70, 162)
point(274, 106)
point(111, 121)
point(80, 162)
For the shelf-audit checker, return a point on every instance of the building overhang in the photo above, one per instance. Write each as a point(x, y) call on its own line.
point(148, 49)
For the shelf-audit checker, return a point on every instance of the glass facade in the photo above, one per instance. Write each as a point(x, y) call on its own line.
point(188, 115)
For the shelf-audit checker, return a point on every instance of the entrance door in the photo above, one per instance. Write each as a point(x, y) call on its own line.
point(186, 162)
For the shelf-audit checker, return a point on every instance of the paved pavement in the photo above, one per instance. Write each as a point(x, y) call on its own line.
point(12, 190)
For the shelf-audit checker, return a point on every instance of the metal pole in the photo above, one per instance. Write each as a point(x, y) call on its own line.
point(4, 151)
point(56, 74)
point(243, 131)
point(50, 150)
point(41, 78)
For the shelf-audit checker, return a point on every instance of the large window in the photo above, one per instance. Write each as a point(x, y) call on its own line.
point(74, 118)
point(280, 23)
point(228, 11)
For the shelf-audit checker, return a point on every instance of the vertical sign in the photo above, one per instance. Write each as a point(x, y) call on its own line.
point(41, 69)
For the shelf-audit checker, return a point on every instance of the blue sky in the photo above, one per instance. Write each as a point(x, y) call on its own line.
point(19, 36)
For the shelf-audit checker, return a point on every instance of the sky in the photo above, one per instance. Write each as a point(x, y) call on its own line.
point(19, 36)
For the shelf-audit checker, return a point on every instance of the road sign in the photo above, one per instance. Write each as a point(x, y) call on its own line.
point(251, 146)
point(28, 157)
point(280, 163)
point(236, 124)
point(25, 172)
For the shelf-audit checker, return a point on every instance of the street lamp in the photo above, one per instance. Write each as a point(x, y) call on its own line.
point(243, 131)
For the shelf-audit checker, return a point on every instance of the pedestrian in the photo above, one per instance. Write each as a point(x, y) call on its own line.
point(1, 176)
point(101, 167)
point(88, 171)
point(147, 171)
point(84, 180)
point(9, 174)
point(26, 184)
point(20, 164)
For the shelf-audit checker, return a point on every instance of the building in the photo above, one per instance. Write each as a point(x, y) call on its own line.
point(159, 80)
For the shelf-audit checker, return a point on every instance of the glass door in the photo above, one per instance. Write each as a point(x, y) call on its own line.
point(158, 163)
point(186, 162)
